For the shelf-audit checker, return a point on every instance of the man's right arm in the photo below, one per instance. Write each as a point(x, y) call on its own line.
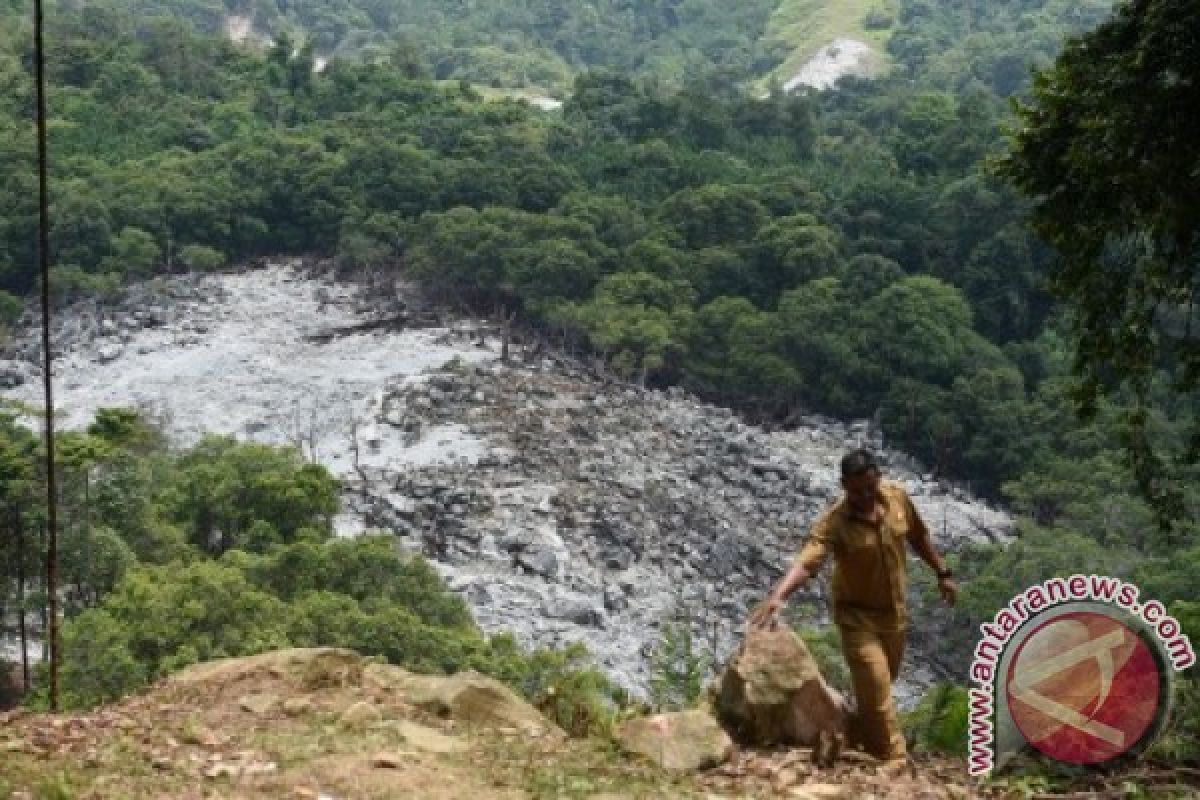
point(792, 580)
point(806, 564)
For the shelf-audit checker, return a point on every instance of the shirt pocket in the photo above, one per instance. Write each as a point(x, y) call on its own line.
point(861, 541)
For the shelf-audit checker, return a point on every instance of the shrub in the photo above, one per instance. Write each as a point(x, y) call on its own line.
point(879, 19)
point(678, 668)
point(939, 722)
point(201, 258)
point(826, 648)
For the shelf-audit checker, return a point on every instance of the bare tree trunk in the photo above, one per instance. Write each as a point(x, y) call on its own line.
point(22, 632)
point(43, 547)
point(362, 475)
point(88, 594)
point(506, 335)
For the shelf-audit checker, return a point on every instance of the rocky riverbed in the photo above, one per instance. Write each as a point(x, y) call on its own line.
point(563, 507)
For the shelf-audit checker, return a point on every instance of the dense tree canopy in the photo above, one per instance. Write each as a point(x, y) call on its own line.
point(851, 244)
point(515, 43)
point(1106, 148)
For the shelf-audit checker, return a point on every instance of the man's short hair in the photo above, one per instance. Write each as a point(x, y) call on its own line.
point(856, 462)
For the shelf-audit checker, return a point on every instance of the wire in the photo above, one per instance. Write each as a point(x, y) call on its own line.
point(47, 377)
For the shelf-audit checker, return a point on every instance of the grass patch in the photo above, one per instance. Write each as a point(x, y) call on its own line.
point(25, 775)
point(582, 768)
point(805, 26)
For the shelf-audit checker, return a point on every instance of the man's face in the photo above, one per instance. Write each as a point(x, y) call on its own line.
point(861, 490)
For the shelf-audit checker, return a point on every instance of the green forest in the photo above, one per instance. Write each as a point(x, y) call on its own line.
point(518, 43)
point(868, 251)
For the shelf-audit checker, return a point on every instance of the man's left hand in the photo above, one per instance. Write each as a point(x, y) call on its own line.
point(949, 590)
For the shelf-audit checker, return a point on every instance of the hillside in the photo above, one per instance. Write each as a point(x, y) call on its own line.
point(563, 508)
point(301, 270)
point(803, 28)
point(542, 45)
point(327, 724)
point(514, 44)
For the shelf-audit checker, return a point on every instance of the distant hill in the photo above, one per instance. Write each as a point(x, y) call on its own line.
point(801, 28)
point(541, 45)
point(512, 43)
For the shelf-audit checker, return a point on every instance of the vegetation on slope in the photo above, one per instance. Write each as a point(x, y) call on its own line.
point(513, 43)
point(847, 252)
point(802, 27)
point(169, 558)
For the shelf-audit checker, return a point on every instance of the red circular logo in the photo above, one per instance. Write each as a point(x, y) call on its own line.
point(1083, 688)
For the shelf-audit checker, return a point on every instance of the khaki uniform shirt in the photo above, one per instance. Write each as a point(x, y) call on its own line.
point(869, 573)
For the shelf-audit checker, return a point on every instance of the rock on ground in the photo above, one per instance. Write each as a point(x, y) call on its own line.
point(467, 697)
point(683, 741)
point(772, 693)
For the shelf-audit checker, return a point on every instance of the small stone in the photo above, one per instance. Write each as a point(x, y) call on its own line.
point(259, 768)
point(784, 778)
point(260, 704)
point(360, 715)
point(822, 791)
point(295, 706)
point(429, 740)
point(107, 353)
point(390, 760)
point(222, 770)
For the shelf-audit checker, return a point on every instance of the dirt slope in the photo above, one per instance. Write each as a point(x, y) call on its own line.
point(326, 724)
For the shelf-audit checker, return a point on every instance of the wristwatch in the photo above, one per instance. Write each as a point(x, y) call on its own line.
point(942, 574)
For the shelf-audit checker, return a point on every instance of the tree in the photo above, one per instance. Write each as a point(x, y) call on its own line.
point(820, 335)
point(553, 269)
point(678, 667)
point(1107, 150)
point(199, 258)
point(134, 252)
point(222, 487)
point(18, 499)
point(98, 666)
point(733, 354)
point(635, 320)
point(173, 616)
point(713, 215)
point(791, 251)
point(921, 328)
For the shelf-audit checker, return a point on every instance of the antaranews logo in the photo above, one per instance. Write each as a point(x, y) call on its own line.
point(1078, 669)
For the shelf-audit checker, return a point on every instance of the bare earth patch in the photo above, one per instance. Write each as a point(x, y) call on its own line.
point(327, 724)
point(289, 724)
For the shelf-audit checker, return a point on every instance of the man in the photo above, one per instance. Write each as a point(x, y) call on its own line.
point(866, 530)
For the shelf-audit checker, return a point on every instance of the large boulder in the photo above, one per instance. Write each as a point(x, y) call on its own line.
point(309, 668)
point(772, 692)
point(467, 697)
point(683, 741)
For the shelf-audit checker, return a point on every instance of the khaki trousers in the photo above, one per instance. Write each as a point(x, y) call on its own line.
point(874, 662)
